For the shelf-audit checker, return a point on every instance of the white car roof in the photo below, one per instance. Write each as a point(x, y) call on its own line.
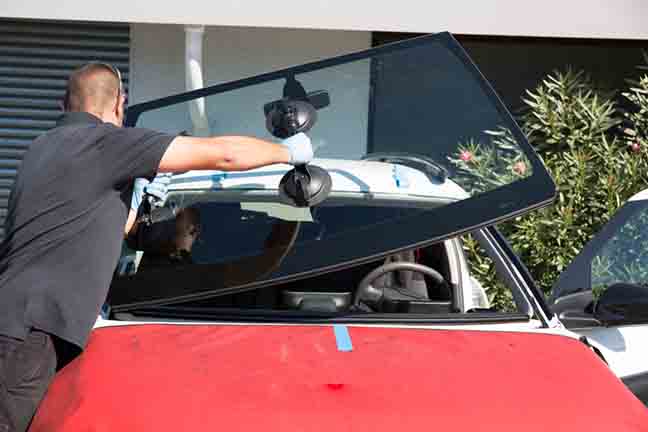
point(640, 196)
point(348, 177)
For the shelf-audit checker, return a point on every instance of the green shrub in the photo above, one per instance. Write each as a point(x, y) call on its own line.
point(635, 134)
point(597, 154)
point(481, 167)
point(596, 169)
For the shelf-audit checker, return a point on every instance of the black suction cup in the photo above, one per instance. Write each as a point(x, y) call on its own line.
point(288, 117)
point(305, 186)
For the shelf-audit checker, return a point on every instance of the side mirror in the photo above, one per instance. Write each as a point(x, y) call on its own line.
point(576, 310)
point(623, 303)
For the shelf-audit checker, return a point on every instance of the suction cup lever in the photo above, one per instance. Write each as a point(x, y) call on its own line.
point(302, 179)
point(305, 186)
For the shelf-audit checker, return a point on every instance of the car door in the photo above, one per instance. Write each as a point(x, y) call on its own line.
point(603, 294)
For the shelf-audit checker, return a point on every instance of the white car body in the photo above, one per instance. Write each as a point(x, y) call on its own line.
point(621, 347)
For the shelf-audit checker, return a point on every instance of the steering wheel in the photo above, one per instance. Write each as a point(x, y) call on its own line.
point(366, 290)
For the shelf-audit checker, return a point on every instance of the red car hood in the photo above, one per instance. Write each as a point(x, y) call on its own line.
point(299, 378)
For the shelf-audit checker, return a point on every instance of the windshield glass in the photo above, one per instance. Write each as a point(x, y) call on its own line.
point(416, 142)
point(618, 254)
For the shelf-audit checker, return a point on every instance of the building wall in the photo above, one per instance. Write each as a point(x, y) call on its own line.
point(36, 59)
point(619, 19)
point(229, 53)
point(512, 65)
point(515, 64)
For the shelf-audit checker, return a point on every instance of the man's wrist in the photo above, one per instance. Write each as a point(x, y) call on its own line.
point(138, 192)
point(299, 147)
point(285, 156)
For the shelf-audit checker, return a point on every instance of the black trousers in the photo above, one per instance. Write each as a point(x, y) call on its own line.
point(26, 370)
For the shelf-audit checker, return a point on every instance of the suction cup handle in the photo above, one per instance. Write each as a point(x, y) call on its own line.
point(302, 181)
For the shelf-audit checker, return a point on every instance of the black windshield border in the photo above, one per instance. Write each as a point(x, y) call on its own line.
point(512, 203)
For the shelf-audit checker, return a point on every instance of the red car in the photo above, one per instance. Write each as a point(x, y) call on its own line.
point(324, 299)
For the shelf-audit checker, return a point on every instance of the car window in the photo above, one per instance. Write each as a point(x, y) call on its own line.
point(228, 231)
point(624, 257)
point(418, 145)
point(421, 97)
point(199, 243)
point(488, 290)
point(619, 253)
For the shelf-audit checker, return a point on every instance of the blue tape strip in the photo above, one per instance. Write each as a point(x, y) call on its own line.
point(400, 176)
point(342, 337)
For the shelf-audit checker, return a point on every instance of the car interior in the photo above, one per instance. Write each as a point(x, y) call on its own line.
point(404, 291)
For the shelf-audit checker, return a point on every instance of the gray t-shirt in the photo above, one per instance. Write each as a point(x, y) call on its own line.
point(65, 224)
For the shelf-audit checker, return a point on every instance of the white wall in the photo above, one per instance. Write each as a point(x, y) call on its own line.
point(618, 19)
point(157, 69)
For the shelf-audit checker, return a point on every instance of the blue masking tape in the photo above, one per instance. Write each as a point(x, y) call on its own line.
point(400, 176)
point(342, 338)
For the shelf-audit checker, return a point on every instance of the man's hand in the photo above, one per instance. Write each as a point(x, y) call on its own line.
point(157, 189)
point(300, 148)
point(233, 153)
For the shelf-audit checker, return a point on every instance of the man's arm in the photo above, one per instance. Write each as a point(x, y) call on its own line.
point(225, 153)
point(228, 153)
point(130, 222)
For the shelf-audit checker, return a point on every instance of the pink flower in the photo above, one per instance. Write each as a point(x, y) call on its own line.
point(520, 168)
point(466, 156)
point(635, 147)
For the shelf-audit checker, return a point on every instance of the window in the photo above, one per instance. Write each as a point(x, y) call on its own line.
point(450, 158)
point(489, 288)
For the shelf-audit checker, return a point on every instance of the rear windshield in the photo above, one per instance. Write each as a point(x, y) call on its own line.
point(452, 160)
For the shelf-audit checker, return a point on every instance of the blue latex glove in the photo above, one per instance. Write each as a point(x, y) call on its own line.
point(300, 148)
point(157, 190)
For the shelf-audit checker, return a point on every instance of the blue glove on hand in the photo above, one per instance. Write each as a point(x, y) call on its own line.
point(300, 148)
point(157, 189)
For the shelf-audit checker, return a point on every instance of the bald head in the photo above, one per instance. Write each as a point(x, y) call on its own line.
point(93, 88)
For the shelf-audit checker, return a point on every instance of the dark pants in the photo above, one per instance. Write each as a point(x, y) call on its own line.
point(26, 370)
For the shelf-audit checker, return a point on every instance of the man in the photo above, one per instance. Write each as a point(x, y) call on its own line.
point(65, 225)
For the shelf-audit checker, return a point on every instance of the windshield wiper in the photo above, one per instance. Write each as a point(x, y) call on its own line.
point(424, 164)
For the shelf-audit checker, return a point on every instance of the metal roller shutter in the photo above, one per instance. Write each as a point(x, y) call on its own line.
point(35, 59)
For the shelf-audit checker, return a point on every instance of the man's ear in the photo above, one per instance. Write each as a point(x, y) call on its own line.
point(119, 109)
point(64, 104)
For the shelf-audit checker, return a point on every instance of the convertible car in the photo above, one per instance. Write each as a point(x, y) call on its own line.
point(337, 295)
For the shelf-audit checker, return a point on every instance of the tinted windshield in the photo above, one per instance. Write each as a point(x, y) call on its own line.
point(445, 157)
point(619, 253)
